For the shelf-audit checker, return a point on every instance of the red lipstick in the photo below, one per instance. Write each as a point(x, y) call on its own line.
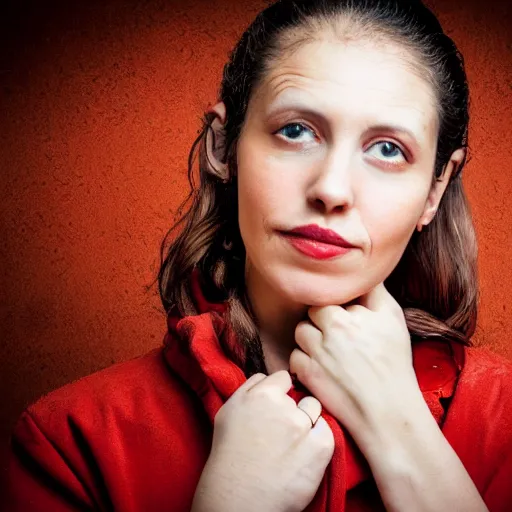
point(317, 242)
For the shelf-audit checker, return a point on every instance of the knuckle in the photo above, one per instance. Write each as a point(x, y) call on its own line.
point(325, 445)
point(313, 372)
point(337, 321)
point(300, 327)
point(357, 316)
point(264, 393)
point(297, 422)
point(256, 376)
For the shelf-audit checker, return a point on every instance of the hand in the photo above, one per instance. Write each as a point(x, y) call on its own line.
point(357, 360)
point(265, 454)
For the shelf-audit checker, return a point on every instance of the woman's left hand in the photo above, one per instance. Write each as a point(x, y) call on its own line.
point(357, 361)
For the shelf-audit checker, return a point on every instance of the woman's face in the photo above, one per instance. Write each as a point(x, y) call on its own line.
point(341, 137)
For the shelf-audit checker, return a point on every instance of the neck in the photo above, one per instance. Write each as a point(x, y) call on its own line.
point(277, 319)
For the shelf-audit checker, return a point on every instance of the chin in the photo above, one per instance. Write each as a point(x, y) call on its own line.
point(314, 290)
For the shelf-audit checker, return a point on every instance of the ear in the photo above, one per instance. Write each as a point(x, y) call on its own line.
point(436, 192)
point(215, 139)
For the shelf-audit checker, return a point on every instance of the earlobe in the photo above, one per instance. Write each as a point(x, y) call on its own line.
point(426, 218)
point(215, 142)
point(433, 200)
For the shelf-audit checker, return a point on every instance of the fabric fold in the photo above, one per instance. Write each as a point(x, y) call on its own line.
point(193, 349)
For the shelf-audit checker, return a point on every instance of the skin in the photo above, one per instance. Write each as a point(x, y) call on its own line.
point(281, 467)
point(353, 152)
point(335, 175)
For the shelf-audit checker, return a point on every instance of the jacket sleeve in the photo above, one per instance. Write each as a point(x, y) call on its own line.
point(38, 477)
point(498, 495)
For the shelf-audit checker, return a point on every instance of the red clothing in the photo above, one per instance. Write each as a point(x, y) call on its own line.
point(136, 436)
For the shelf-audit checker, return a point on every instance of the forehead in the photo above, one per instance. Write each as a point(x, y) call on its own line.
point(356, 81)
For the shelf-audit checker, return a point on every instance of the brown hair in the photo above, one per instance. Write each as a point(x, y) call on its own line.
point(435, 281)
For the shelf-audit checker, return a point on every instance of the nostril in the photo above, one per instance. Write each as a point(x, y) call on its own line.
point(324, 206)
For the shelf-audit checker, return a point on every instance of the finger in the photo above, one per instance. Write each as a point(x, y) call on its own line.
point(308, 337)
point(281, 380)
point(320, 380)
point(356, 310)
point(312, 407)
point(250, 383)
point(323, 433)
point(324, 316)
point(319, 445)
point(299, 362)
point(309, 372)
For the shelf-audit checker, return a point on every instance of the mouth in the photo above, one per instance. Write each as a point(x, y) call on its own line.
point(317, 242)
point(322, 235)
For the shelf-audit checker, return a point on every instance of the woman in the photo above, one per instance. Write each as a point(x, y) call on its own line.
point(321, 298)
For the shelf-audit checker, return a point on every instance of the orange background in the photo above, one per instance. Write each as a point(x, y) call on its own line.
point(99, 104)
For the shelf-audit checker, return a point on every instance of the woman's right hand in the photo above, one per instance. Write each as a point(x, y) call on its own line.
point(265, 456)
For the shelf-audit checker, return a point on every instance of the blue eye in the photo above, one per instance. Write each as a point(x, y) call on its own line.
point(386, 150)
point(295, 132)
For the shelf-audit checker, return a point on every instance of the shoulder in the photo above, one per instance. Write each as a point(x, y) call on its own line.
point(482, 366)
point(121, 388)
point(484, 392)
point(133, 395)
point(134, 428)
point(478, 423)
point(484, 387)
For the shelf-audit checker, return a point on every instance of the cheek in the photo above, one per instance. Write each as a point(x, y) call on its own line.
point(256, 189)
point(390, 217)
point(265, 188)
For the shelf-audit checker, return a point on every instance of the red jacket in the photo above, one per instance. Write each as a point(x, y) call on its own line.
point(135, 437)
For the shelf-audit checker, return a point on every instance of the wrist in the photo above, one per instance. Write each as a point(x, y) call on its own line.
point(396, 433)
point(219, 491)
point(407, 468)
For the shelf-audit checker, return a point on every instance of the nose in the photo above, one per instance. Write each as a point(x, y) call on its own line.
point(331, 189)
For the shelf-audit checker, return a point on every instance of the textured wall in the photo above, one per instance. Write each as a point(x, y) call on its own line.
point(99, 103)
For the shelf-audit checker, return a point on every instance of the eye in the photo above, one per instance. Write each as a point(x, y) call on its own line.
point(296, 132)
point(388, 151)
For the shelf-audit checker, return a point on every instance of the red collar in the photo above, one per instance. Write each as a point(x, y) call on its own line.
point(201, 349)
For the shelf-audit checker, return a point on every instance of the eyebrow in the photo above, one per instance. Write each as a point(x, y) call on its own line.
point(280, 109)
point(394, 128)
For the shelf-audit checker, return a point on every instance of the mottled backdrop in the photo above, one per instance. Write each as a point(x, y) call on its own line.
point(99, 104)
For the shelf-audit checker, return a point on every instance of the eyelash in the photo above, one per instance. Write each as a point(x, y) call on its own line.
point(305, 127)
point(294, 124)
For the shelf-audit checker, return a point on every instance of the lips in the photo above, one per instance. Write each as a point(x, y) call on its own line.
point(318, 243)
point(315, 232)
